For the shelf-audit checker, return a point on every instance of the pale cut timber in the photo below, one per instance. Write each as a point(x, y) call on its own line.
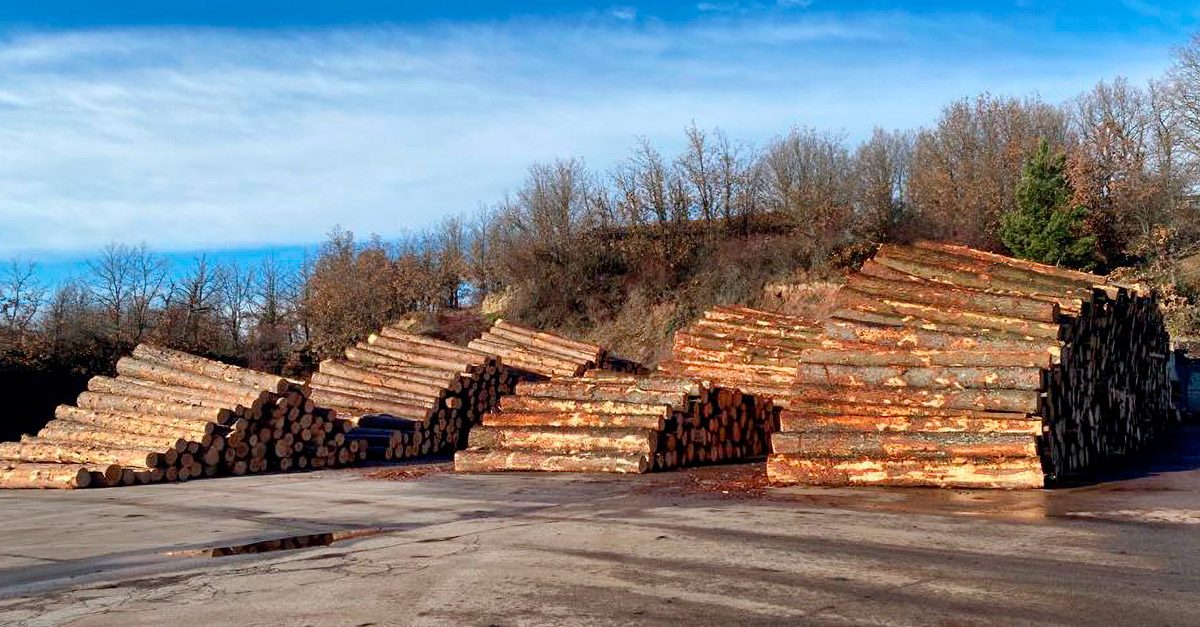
point(145, 424)
point(942, 295)
point(902, 445)
point(509, 418)
point(839, 329)
point(504, 333)
point(564, 439)
point(798, 420)
point(549, 337)
point(185, 361)
point(1023, 401)
point(137, 368)
point(473, 460)
point(1008, 378)
point(57, 451)
point(110, 402)
point(599, 391)
point(40, 476)
point(849, 354)
point(381, 378)
point(532, 403)
point(1013, 474)
point(353, 401)
point(55, 430)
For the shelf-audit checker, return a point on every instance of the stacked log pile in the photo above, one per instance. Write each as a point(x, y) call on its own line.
point(738, 347)
point(171, 416)
point(947, 366)
point(615, 422)
point(409, 395)
point(538, 354)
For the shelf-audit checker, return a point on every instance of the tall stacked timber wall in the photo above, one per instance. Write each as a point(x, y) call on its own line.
point(613, 422)
point(410, 395)
point(946, 366)
point(171, 416)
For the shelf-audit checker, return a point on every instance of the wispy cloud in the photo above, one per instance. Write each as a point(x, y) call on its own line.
point(625, 13)
point(194, 138)
point(739, 6)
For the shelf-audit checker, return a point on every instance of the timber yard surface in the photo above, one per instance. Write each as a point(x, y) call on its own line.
point(709, 546)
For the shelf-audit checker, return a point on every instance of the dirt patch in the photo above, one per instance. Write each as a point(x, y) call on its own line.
point(409, 472)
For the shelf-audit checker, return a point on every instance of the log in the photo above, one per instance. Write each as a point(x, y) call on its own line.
point(109, 402)
point(410, 383)
point(941, 295)
point(136, 368)
point(602, 391)
point(564, 439)
point(363, 403)
point(897, 445)
point(149, 390)
point(953, 473)
point(144, 424)
point(839, 329)
point(474, 460)
point(215, 369)
point(1023, 401)
point(545, 404)
point(56, 430)
point(582, 347)
point(793, 420)
point(60, 452)
point(573, 419)
point(44, 476)
point(872, 355)
point(1012, 378)
point(349, 386)
point(449, 353)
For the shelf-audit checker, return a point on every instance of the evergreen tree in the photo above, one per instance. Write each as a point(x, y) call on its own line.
point(1046, 227)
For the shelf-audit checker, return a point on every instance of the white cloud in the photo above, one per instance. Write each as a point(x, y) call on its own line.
point(190, 139)
point(625, 13)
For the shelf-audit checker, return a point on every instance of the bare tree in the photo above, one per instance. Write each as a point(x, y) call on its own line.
point(881, 168)
point(236, 286)
point(806, 178)
point(1182, 94)
point(21, 296)
point(697, 166)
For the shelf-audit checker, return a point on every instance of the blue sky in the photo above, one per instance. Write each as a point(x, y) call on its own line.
point(249, 126)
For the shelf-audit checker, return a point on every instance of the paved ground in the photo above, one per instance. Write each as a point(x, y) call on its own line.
point(706, 547)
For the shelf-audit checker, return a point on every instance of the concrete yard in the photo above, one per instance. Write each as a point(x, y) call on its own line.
point(702, 547)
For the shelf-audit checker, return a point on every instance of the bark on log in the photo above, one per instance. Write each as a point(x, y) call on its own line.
point(920, 377)
point(56, 451)
point(946, 445)
point(873, 355)
point(792, 420)
point(44, 476)
point(471, 460)
point(185, 361)
point(1022, 401)
point(564, 439)
point(509, 418)
point(109, 402)
point(954, 473)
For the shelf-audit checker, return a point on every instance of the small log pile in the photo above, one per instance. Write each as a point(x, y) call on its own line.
point(538, 354)
point(748, 349)
point(172, 416)
point(409, 395)
point(615, 422)
point(947, 366)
